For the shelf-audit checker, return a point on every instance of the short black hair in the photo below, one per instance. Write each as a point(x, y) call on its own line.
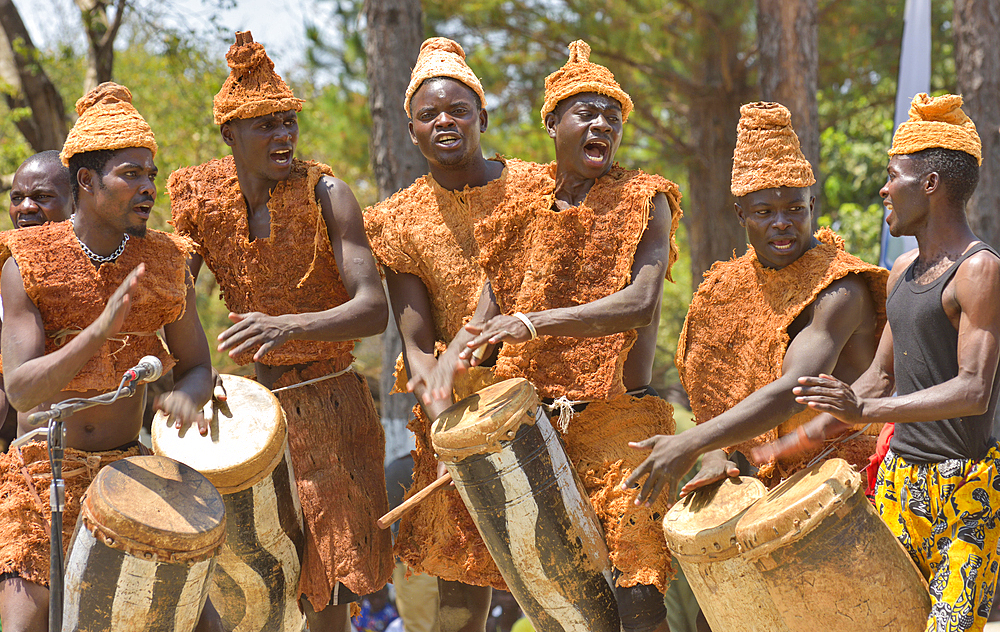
point(958, 170)
point(49, 157)
point(93, 160)
point(475, 95)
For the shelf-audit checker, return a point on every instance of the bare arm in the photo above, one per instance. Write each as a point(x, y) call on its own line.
point(364, 314)
point(836, 314)
point(32, 377)
point(412, 310)
point(632, 307)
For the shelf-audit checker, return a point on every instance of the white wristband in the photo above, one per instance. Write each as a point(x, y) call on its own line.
point(527, 323)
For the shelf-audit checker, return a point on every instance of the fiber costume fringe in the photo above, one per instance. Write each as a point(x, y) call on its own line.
point(70, 293)
point(597, 445)
point(767, 153)
point(736, 333)
point(25, 515)
point(253, 88)
point(292, 271)
point(107, 120)
point(338, 448)
point(538, 259)
point(438, 537)
point(441, 57)
point(937, 122)
point(579, 75)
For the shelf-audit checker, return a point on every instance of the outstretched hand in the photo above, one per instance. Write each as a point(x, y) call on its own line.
point(254, 329)
point(112, 319)
point(827, 394)
point(501, 328)
point(666, 465)
point(715, 466)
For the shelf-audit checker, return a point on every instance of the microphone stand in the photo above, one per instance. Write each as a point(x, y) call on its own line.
point(57, 489)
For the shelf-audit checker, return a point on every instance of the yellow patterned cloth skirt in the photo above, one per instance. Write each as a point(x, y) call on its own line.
point(945, 514)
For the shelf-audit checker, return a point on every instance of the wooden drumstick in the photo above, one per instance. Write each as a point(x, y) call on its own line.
point(386, 521)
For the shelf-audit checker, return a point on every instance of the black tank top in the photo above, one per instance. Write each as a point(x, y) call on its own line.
point(925, 353)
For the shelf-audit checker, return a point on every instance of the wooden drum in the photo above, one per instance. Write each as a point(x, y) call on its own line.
point(827, 559)
point(701, 534)
point(245, 454)
point(530, 507)
point(144, 548)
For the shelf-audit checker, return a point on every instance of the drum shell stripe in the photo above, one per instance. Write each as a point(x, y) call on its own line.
point(104, 584)
point(264, 544)
point(527, 500)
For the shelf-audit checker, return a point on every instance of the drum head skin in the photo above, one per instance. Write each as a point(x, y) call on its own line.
point(478, 423)
point(153, 503)
point(793, 508)
point(704, 523)
point(246, 436)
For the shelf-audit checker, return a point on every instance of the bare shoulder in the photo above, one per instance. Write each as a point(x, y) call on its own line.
point(340, 207)
point(846, 295)
point(900, 265)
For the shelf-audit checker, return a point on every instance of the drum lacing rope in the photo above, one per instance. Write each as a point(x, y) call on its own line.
point(350, 367)
point(566, 408)
point(833, 445)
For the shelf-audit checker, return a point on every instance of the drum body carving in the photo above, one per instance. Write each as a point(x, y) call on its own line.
point(144, 549)
point(701, 533)
point(245, 454)
point(530, 507)
point(827, 559)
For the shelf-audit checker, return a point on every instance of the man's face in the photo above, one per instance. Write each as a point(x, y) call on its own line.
point(264, 146)
point(40, 193)
point(446, 123)
point(903, 195)
point(778, 223)
point(121, 198)
point(587, 132)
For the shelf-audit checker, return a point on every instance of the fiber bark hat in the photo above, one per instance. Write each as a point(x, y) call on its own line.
point(580, 75)
point(767, 153)
point(107, 120)
point(937, 122)
point(441, 57)
point(253, 88)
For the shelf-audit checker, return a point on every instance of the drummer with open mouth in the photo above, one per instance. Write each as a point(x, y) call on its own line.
point(83, 300)
point(795, 304)
point(575, 274)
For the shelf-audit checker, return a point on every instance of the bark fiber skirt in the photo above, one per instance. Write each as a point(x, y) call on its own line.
point(25, 545)
point(338, 454)
point(438, 537)
point(597, 443)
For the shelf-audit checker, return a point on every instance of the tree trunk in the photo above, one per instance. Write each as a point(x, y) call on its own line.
point(787, 39)
point(977, 65)
point(47, 125)
point(101, 32)
point(713, 230)
point(394, 34)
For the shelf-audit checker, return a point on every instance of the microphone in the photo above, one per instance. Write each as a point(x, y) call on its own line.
point(149, 369)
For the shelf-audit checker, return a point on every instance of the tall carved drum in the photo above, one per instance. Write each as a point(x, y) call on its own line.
point(245, 454)
point(827, 559)
point(530, 507)
point(144, 548)
point(701, 533)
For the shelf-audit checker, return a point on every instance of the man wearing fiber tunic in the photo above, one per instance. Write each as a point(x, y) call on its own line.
point(794, 304)
point(938, 488)
point(423, 236)
point(286, 242)
point(83, 301)
point(576, 272)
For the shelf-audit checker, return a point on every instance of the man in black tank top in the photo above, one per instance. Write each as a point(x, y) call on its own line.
point(938, 488)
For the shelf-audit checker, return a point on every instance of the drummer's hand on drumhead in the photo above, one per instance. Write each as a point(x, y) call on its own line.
point(806, 437)
point(254, 329)
point(666, 465)
point(219, 388)
point(827, 394)
point(715, 466)
point(181, 411)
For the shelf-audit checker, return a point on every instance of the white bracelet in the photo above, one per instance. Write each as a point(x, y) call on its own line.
point(527, 323)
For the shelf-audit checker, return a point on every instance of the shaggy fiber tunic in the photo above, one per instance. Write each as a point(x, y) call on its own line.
point(70, 294)
point(736, 333)
point(536, 259)
point(337, 442)
point(426, 230)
